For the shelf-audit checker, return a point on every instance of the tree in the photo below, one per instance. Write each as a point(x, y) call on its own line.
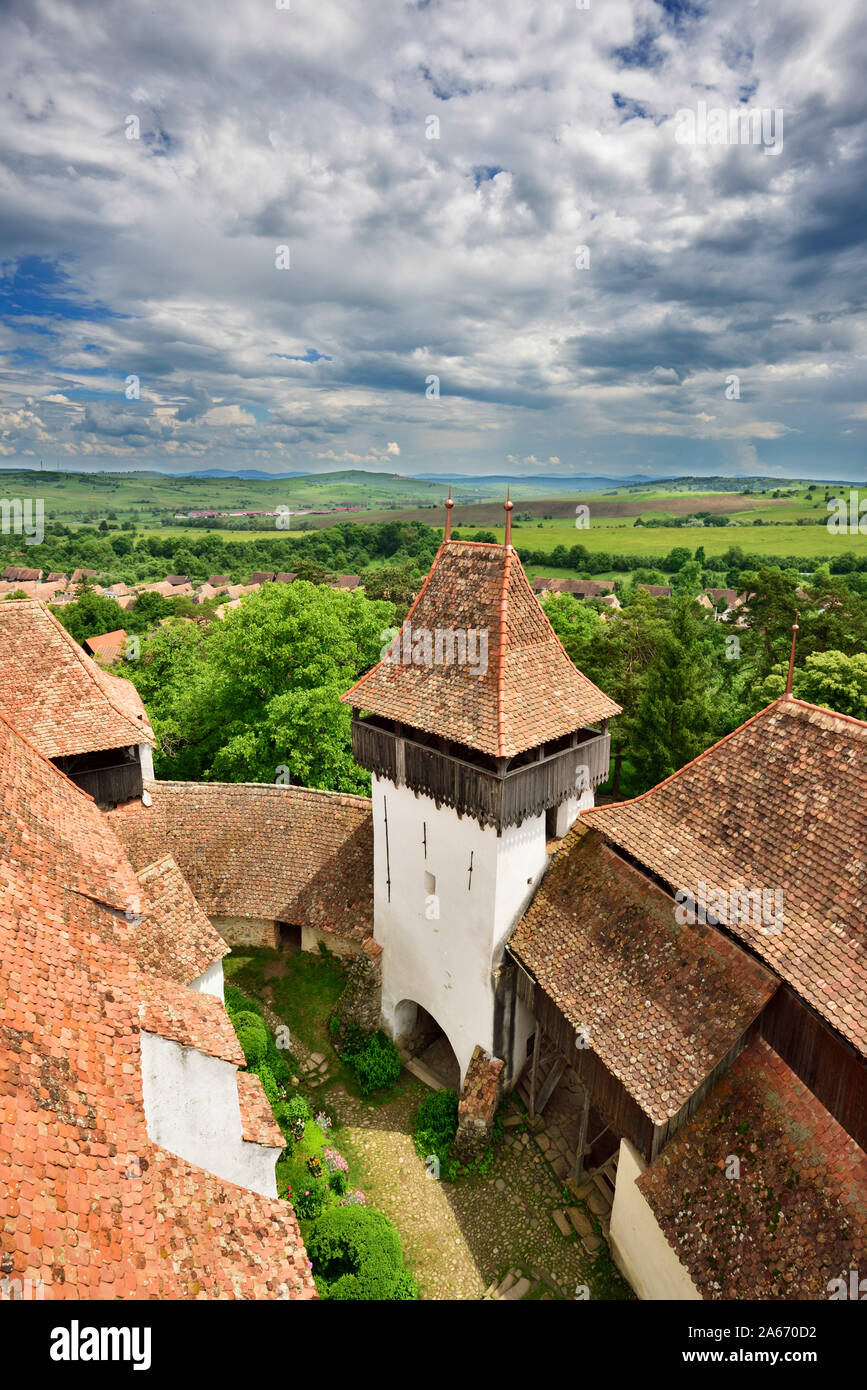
point(672, 723)
point(834, 680)
point(90, 615)
point(259, 691)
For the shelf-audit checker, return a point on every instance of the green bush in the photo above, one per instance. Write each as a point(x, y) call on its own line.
point(310, 1200)
point(269, 1085)
point(356, 1254)
point(238, 1003)
point(296, 1108)
point(292, 1115)
point(436, 1124)
point(337, 1182)
point(376, 1062)
point(252, 1035)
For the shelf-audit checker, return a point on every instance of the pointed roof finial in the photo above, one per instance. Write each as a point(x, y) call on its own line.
point(508, 506)
point(449, 505)
point(792, 656)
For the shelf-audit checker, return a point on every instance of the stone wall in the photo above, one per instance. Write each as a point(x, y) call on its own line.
point(337, 945)
point(477, 1108)
point(361, 1000)
point(247, 931)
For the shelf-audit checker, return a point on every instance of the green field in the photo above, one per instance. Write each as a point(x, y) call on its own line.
point(149, 500)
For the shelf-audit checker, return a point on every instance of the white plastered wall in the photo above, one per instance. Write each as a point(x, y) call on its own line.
point(146, 758)
point(638, 1245)
point(192, 1109)
point(446, 962)
point(211, 981)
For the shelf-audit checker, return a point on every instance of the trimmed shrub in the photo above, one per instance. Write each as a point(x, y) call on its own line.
point(296, 1108)
point(356, 1254)
point(337, 1182)
point(436, 1124)
point(376, 1062)
point(309, 1201)
point(252, 1035)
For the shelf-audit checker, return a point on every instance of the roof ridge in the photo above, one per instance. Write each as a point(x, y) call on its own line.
point(824, 709)
point(263, 786)
point(418, 599)
point(501, 675)
point(631, 800)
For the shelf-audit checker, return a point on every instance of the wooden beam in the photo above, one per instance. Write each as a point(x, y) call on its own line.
point(537, 1045)
point(582, 1136)
point(550, 1082)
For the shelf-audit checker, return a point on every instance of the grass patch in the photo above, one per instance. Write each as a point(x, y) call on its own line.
point(303, 997)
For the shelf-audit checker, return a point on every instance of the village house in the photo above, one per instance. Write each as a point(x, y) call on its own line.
point(108, 646)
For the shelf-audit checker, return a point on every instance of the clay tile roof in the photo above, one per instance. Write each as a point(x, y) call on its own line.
point(286, 576)
point(176, 579)
point(796, 1216)
point(661, 1003)
point(174, 938)
point(779, 804)
point(78, 575)
point(258, 1125)
point(530, 691)
point(586, 588)
point(346, 581)
point(57, 695)
point(657, 590)
point(289, 854)
point(108, 646)
point(187, 1017)
point(219, 581)
point(262, 577)
point(88, 1203)
point(22, 573)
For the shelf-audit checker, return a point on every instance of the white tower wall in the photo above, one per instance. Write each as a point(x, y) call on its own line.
point(442, 928)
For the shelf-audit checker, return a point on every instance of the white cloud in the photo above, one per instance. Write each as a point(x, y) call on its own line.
point(454, 256)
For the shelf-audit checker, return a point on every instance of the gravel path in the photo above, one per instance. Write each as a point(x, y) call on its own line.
point(462, 1237)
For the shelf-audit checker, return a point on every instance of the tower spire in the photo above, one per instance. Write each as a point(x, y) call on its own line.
point(792, 656)
point(449, 505)
point(508, 506)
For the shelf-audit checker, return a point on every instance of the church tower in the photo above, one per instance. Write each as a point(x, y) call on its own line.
point(484, 742)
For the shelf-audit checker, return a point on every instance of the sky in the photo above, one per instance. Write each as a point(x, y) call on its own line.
point(442, 236)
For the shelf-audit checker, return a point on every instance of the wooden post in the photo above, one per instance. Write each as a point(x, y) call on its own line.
point(537, 1046)
point(582, 1136)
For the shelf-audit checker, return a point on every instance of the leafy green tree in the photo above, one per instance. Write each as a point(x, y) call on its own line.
point(90, 615)
point(259, 691)
point(672, 722)
point(834, 680)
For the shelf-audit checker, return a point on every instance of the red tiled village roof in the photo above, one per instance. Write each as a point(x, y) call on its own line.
point(175, 936)
point(661, 1003)
point(88, 1203)
point(288, 854)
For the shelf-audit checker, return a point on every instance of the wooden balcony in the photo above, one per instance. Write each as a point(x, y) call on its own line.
point(496, 791)
point(110, 777)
